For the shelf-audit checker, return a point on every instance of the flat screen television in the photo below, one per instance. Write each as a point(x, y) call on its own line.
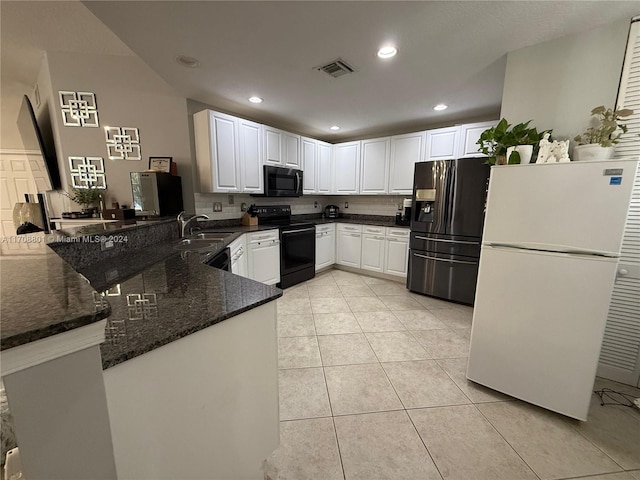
point(39, 137)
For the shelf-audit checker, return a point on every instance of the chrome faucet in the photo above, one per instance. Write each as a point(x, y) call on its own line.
point(185, 223)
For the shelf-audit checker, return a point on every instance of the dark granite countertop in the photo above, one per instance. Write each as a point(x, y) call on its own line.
point(41, 295)
point(169, 299)
point(151, 296)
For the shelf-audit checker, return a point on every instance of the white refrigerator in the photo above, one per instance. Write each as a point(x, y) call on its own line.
point(548, 262)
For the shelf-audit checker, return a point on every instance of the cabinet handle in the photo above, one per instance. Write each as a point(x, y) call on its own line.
point(444, 260)
point(354, 235)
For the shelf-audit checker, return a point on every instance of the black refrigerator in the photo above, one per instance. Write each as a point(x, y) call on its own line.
point(447, 217)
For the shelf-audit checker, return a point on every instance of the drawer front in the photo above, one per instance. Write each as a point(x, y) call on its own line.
point(346, 227)
point(373, 230)
point(324, 228)
point(397, 232)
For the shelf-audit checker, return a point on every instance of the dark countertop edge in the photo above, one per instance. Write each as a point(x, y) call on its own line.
point(51, 330)
point(73, 232)
point(178, 335)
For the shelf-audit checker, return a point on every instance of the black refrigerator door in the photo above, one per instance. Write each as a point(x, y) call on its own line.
point(469, 193)
point(432, 196)
point(449, 277)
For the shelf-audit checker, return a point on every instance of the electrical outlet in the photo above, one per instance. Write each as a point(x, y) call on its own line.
point(217, 206)
point(243, 207)
point(230, 200)
point(346, 204)
point(106, 244)
point(315, 204)
point(400, 207)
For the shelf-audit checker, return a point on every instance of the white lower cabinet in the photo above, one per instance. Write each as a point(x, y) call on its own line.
point(263, 250)
point(238, 252)
point(349, 245)
point(325, 245)
point(396, 257)
point(373, 248)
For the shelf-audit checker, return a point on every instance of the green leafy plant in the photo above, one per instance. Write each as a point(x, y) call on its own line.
point(85, 196)
point(495, 141)
point(607, 129)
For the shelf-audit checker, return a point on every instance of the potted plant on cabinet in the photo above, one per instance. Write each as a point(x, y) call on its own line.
point(86, 197)
point(599, 140)
point(504, 145)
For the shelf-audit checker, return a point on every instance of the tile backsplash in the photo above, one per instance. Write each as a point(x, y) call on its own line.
point(386, 205)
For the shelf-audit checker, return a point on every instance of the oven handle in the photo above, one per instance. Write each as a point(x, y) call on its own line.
point(299, 230)
point(446, 241)
point(443, 260)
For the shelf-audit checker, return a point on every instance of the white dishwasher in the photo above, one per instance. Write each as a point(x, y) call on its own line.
point(264, 256)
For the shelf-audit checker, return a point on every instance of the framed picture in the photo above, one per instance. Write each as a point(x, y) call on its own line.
point(161, 164)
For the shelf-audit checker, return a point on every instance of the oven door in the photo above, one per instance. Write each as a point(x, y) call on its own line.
point(282, 182)
point(297, 249)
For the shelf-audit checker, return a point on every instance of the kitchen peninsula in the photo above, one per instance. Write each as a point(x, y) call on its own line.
point(162, 367)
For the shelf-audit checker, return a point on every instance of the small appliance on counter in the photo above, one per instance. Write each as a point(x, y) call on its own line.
point(331, 211)
point(156, 194)
point(404, 217)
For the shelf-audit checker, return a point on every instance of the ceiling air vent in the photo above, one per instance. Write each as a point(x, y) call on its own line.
point(337, 68)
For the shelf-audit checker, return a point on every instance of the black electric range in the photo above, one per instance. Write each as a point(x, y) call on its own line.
point(297, 243)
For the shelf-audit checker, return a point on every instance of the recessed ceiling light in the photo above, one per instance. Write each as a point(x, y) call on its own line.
point(334, 127)
point(255, 99)
point(440, 106)
point(387, 52)
point(188, 61)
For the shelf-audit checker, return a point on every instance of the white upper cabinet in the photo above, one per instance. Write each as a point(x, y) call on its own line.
point(442, 143)
point(216, 140)
point(291, 150)
point(273, 146)
point(406, 151)
point(346, 166)
point(310, 165)
point(325, 167)
point(250, 156)
point(374, 166)
point(469, 135)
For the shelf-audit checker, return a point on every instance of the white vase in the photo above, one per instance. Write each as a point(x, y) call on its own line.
point(592, 151)
point(525, 152)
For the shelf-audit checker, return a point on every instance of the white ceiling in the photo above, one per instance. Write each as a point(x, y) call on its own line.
point(451, 51)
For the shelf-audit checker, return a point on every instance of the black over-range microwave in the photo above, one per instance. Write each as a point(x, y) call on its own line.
point(281, 182)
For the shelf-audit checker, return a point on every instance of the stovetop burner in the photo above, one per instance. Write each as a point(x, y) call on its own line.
point(277, 215)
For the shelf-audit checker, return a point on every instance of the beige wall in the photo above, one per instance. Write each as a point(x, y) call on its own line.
point(557, 83)
point(128, 94)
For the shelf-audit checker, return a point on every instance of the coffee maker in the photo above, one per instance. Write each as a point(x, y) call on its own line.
point(404, 217)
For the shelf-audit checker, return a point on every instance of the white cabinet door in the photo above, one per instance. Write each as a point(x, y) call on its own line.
point(309, 165)
point(346, 173)
point(325, 246)
point(216, 140)
point(250, 156)
point(442, 143)
point(469, 135)
point(375, 165)
point(291, 150)
point(373, 252)
point(242, 265)
point(273, 146)
point(325, 170)
point(406, 151)
point(349, 245)
point(396, 256)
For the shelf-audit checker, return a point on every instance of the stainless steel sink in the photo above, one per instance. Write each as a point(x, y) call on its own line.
point(214, 236)
point(194, 244)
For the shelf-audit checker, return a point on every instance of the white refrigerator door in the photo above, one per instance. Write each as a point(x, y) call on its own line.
point(538, 324)
point(574, 206)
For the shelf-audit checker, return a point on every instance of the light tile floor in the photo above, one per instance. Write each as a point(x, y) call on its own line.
point(373, 386)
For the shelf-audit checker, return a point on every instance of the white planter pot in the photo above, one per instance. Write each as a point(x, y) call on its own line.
point(525, 152)
point(592, 151)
